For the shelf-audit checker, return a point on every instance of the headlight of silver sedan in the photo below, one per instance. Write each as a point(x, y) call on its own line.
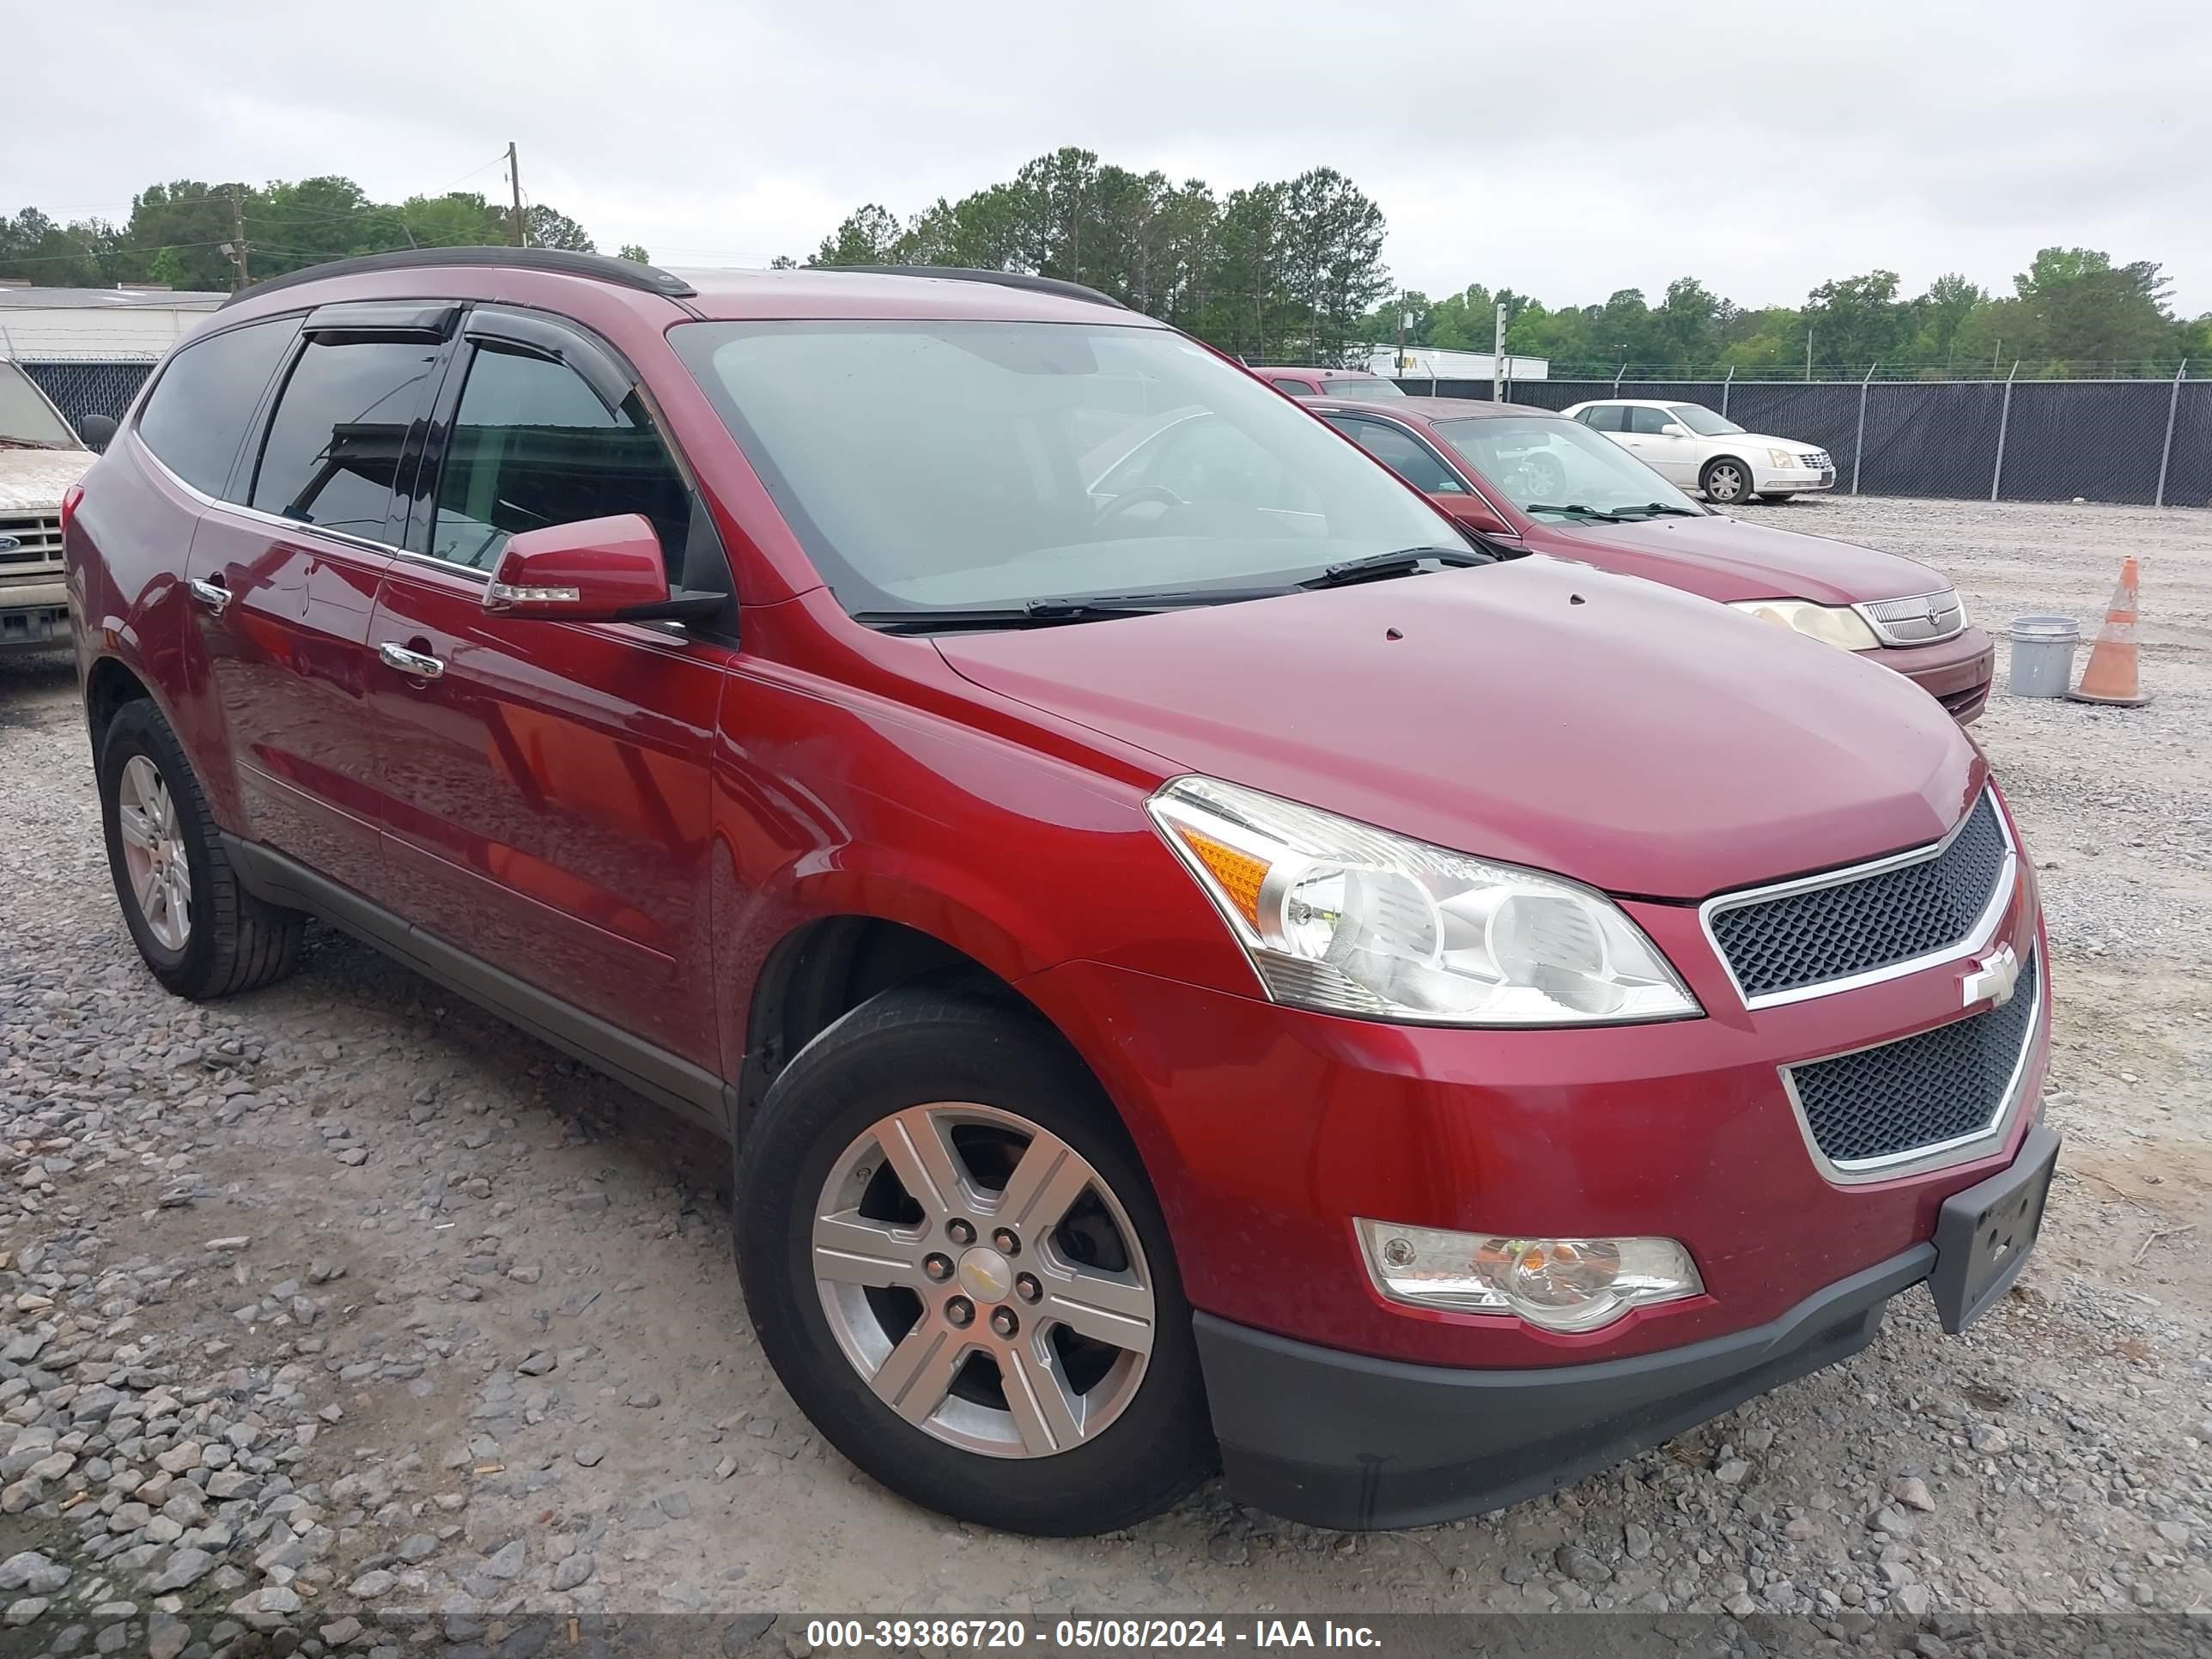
point(1833, 625)
point(1343, 918)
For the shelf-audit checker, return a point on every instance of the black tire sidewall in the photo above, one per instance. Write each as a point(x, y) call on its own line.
point(139, 729)
point(907, 1049)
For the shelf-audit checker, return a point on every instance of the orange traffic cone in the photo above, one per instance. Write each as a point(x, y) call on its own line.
point(2111, 676)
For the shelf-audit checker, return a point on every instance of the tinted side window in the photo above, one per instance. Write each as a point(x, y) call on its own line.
point(532, 446)
point(341, 422)
point(1649, 420)
point(1296, 388)
point(197, 414)
point(1404, 455)
point(1606, 417)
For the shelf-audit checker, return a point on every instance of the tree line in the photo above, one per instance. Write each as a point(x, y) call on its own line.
point(177, 233)
point(1283, 271)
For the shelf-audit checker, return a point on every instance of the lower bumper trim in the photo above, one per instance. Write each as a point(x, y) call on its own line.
point(1337, 1439)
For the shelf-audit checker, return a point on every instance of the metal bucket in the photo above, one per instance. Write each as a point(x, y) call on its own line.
point(2043, 656)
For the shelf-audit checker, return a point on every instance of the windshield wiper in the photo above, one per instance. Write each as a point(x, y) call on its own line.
point(1405, 562)
point(1036, 613)
point(1578, 508)
point(1655, 509)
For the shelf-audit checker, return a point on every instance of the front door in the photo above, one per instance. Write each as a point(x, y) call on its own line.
point(1672, 456)
point(545, 783)
point(284, 577)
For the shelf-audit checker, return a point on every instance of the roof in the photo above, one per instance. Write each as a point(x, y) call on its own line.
point(107, 299)
point(1441, 409)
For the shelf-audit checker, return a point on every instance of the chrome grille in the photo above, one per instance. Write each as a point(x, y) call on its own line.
point(1920, 620)
point(1912, 1097)
point(1816, 458)
point(1843, 926)
point(38, 541)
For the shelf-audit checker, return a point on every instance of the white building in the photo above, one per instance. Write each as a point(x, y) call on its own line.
point(1431, 362)
point(112, 324)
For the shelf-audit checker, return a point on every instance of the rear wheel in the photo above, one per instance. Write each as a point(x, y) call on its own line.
point(958, 1268)
point(1726, 480)
point(200, 932)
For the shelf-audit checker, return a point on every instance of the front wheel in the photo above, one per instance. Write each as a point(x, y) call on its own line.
point(1726, 480)
point(955, 1265)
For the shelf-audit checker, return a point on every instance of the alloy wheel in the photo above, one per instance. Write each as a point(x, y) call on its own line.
point(154, 853)
point(982, 1277)
point(1725, 483)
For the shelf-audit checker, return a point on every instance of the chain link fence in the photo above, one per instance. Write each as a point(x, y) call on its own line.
point(80, 387)
point(2145, 441)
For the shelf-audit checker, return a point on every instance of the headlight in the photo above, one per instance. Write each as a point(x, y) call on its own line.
point(1343, 918)
point(1833, 624)
point(1783, 461)
point(1560, 1284)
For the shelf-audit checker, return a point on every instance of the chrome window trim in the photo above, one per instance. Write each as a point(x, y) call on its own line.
point(1977, 939)
point(1919, 1160)
point(365, 544)
point(1865, 609)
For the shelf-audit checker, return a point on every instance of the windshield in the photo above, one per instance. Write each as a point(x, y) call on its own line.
point(1558, 469)
point(26, 417)
point(938, 464)
point(1366, 387)
point(1702, 422)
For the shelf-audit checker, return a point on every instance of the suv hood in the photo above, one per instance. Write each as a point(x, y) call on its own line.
point(1728, 559)
point(1631, 736)
point(34, 480)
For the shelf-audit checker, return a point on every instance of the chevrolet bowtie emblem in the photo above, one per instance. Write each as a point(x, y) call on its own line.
point(1993, 977)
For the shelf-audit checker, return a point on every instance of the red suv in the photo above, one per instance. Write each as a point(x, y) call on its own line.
point(1172, 997)
point(1539, 481)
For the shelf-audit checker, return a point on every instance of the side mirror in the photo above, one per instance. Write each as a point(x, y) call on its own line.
point(1674, 430)
point(608, 569)
point(97, 431)
point(1476, 513)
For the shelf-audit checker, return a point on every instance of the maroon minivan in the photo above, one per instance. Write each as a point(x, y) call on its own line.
point(1551, 485)
point(1200, 966)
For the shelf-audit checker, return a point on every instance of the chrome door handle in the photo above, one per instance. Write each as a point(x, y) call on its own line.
point(214, 595)
point(410, 662)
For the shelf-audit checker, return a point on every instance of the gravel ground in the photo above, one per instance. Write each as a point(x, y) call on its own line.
point(343, 1299)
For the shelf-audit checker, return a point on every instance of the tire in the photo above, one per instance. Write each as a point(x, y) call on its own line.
point(200, 932)
point(1726, 480)
point(964, 1074)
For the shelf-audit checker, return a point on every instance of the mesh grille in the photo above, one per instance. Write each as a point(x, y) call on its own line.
point(1833, 933)
point(1935, 1086)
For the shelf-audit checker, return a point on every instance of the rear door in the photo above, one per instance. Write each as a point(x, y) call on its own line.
point(283, 572)
point(545, 789)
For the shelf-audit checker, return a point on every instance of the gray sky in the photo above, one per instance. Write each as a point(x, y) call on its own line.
point(1563, 150)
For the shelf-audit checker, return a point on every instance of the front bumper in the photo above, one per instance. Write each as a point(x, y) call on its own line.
point(34, 614)
point(1339, 1439)
point(1957, 672)
point(1793, 481)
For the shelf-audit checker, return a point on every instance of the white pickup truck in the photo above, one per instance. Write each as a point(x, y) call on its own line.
point(40, 459)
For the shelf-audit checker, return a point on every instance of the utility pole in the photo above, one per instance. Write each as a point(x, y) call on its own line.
point(237, 248)
point(1808, 355)
point(1401, 333)
point(1498, 358)
point(514, 181)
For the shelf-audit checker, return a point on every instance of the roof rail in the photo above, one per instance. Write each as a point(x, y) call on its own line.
point(600, 267)
point(1020, 279)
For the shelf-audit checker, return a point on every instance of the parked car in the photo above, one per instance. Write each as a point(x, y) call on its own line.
point(1331, 383)
point(1199, 961)
point(1689, 444)
point(40, 457)
point(1539, 481)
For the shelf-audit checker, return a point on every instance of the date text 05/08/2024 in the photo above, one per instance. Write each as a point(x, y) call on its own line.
point(896, 1634)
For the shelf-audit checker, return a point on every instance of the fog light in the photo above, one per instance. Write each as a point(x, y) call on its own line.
point(1560, 1284)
